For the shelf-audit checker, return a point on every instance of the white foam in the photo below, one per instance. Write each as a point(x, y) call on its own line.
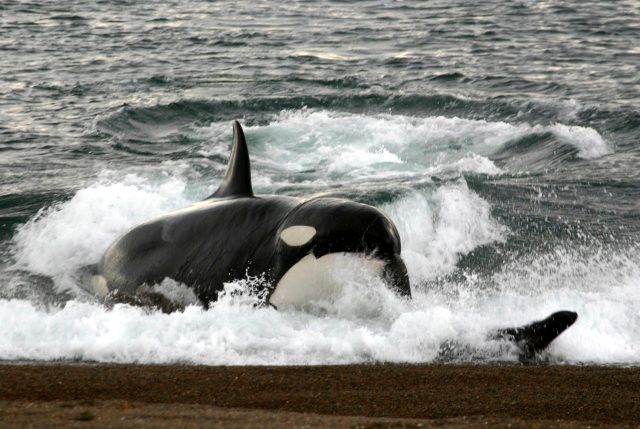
point(349, 146)
point(67, 236)
point(600, 284)
point(588, 141)
point(367, 324)
point(472, 164)
point(361, 146)
point(437, 229)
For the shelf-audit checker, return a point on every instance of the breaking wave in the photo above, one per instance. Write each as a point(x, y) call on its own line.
point(421, 164)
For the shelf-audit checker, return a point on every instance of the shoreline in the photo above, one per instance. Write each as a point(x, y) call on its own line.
point(385, 394)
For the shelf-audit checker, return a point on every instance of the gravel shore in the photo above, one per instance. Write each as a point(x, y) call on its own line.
point(363, 396)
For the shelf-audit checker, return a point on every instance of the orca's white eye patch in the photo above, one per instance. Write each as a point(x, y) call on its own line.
point(297, 235)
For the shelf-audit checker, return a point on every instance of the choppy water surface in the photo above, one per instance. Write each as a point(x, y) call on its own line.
point(502, 138)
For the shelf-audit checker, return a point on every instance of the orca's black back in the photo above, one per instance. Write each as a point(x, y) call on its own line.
point(210, 243)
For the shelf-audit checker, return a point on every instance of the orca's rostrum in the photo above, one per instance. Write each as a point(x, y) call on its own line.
point(289, 241)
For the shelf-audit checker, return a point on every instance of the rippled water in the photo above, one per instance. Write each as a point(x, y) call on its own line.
point(502, 139)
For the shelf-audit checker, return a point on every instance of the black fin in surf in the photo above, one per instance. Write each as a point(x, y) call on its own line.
point(535, 337)
point(237, 179)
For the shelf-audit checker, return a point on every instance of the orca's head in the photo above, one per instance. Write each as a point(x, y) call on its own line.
point(321, 230)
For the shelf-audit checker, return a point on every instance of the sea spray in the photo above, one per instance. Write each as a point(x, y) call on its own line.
point(367, 323)
point(451, 312)
point(364, 325)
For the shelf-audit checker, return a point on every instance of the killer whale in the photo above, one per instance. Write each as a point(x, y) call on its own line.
point(290, 241)
point(233, 234)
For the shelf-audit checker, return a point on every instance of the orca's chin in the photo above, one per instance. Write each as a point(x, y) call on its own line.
point(314, 279)
point(396, 276)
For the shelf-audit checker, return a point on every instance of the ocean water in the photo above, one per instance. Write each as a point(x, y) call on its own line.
point(502, 138)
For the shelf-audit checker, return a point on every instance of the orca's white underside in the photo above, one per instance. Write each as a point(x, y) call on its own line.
point(315, 279)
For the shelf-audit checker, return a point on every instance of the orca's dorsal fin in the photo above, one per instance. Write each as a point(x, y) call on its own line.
point(237, 179)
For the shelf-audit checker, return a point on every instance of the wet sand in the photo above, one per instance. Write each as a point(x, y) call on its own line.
point(363, 396)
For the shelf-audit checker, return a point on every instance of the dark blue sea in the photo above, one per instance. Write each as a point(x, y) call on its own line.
point(502, 138)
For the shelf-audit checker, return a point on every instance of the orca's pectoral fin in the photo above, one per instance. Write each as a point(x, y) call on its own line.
point(535, 337)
